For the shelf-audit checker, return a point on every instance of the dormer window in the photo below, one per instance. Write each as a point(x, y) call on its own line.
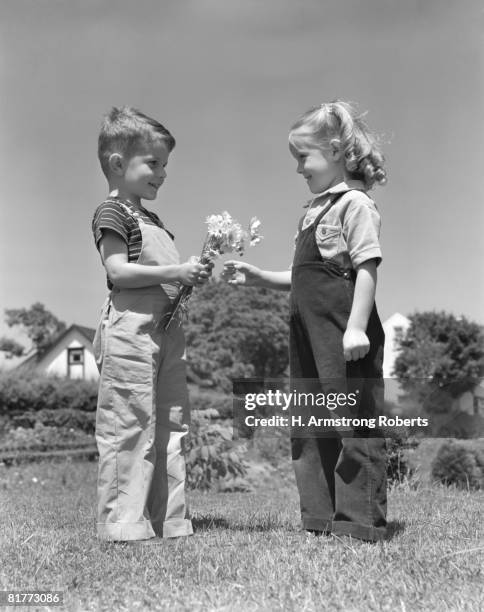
point(75, 356)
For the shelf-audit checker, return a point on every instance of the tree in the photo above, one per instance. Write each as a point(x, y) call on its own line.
point(237, 332)
point(40, 325)
point(440, 358)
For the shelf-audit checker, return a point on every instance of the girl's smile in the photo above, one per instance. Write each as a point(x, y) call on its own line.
point(321, 167)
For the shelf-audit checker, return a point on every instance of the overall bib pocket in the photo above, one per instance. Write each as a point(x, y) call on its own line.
point(328, 240)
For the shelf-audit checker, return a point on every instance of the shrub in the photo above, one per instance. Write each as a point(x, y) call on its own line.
point(212, 458)
point(64, 417)
point(459, 464)
point(398, 444)
point(44, 438)
point(201, 399)
point(459, 424)
point(233, 334)
point(274, 447)
point(21, 392)
point(28, 391)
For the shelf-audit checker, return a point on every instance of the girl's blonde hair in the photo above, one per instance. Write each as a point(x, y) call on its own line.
point(338, 119)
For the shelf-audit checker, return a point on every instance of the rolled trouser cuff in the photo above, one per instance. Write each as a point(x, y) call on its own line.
point(317, 524)
point(141, 530)
point(368, 533)
point(177, 528)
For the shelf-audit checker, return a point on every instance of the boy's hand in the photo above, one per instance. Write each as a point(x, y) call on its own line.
point(208, 268)
point(193, 273)
point(355, 344)
point(240, 273)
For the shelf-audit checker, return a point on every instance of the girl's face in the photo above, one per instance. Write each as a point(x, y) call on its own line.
point(321, 167)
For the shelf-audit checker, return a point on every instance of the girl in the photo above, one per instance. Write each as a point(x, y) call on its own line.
point(335, 331)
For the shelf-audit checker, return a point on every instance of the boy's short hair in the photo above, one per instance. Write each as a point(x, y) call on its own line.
point(123, 129)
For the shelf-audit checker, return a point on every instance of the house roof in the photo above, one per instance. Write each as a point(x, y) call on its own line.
point(87, 332)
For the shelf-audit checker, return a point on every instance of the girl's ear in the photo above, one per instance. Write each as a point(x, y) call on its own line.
point(116, 163)
point(335, 148)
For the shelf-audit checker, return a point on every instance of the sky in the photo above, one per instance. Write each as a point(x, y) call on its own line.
point(228, 78)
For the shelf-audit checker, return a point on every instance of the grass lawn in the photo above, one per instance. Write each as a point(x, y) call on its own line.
point(248, 552)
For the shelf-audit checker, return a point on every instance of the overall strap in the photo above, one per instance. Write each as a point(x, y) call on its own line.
point(314, 224)
point(131, 213)
point(136, 216)
point(333, 199)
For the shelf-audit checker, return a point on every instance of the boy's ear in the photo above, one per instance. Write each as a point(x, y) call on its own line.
point(335, 148)
point(115, 162)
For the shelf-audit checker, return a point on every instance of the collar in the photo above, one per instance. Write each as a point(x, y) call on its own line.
point(134, 207)
point(335, 189)
point(136, 210)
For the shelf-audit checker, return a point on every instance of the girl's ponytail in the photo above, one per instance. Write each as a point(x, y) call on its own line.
point(363, 157)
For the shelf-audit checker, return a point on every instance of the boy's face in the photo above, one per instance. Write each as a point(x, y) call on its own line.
point(144, 170)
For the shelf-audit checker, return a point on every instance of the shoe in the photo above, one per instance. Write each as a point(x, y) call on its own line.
point(317, 532)
point(149, 542)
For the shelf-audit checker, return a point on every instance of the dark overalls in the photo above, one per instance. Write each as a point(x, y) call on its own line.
point(341, 477)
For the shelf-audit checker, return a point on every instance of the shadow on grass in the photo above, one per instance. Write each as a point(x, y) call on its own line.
point(394, 528)
point(205, 523)
point(269, 523)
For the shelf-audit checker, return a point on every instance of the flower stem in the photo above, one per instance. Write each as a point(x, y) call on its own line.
point(181, 300)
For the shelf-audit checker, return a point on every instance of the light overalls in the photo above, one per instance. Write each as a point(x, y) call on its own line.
point(141, 478)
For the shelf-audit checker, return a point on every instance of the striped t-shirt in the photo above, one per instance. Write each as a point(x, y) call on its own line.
point(111, 215)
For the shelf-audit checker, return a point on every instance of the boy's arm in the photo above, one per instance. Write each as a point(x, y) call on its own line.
point(114, 255)
point(241, 273)
point(355, 341)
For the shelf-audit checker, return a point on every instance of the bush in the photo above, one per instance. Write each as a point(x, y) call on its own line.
point(212, 458)
point(44, 438)
point(237, 333)
point(459, 464)
point(27, 391)
point(398, 445)
point(64, 417)
point(272, 446)
point(203, 400)
point(460, 425)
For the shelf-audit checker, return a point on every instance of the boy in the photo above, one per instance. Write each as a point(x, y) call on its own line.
point(143, 380)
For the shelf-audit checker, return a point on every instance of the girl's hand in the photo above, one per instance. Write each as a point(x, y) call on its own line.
point(355, 344)
point(193, 273)
point(240, 273)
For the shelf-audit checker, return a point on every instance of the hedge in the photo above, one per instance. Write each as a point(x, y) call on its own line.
point(27, 391)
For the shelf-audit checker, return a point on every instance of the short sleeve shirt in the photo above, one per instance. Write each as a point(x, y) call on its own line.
point(111, 215)
point(349, 229)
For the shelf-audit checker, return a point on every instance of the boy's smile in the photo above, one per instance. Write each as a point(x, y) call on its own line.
point(143, 172)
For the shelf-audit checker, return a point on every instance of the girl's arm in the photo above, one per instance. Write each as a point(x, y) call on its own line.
point(241, 273)
point(355, 341)
point(114, 255)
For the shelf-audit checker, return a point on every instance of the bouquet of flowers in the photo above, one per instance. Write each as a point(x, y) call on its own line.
point(225, 235)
